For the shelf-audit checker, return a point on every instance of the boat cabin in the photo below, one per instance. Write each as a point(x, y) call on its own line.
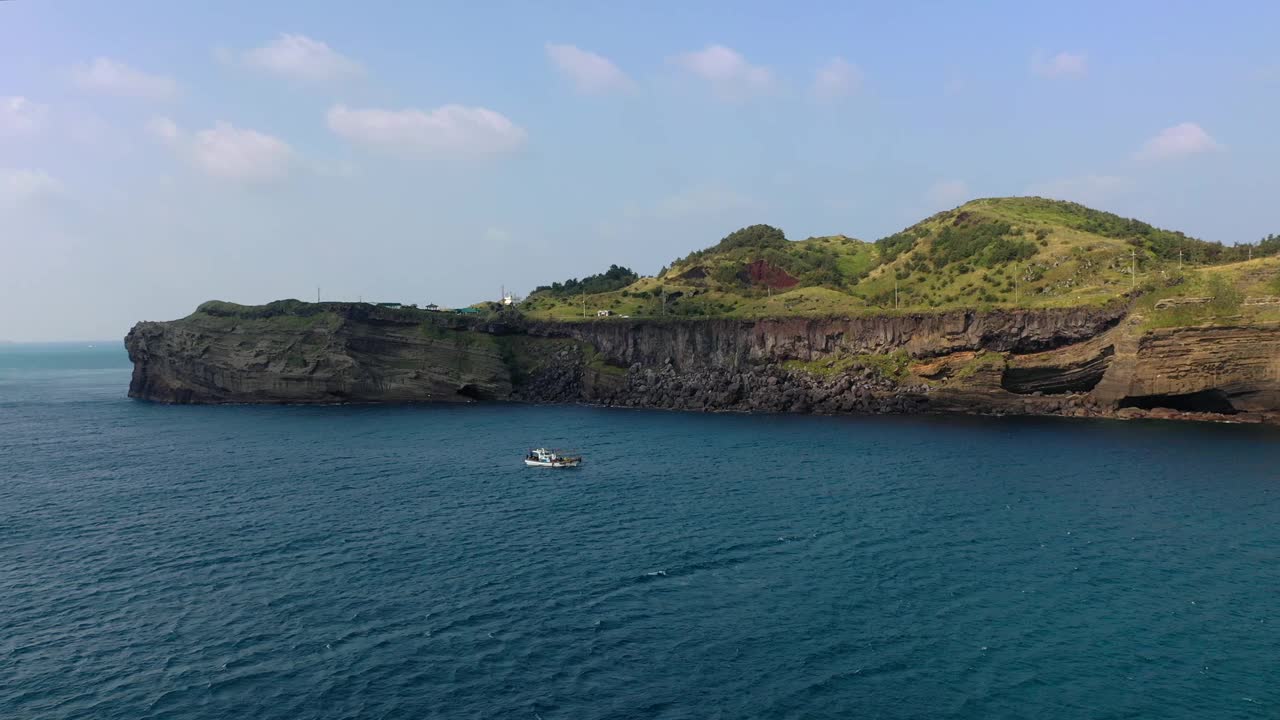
point(543, 457)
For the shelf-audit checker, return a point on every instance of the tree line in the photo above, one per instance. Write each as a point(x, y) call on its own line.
point(615, 278)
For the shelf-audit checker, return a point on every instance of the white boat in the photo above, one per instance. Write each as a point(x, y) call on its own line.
point(543, 457)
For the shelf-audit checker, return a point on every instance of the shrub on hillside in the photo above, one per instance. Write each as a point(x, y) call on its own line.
point(754, 236)
point(726, 274)
point(894, 245)
point(1007, 250)
point(615, 278)
point(219, 308)
point(1226, 296)
point(986, 243)
point(1164, 244)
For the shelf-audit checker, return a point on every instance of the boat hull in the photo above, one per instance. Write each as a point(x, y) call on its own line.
point(553, 464)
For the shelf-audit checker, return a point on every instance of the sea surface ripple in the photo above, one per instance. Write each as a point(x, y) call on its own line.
point(400, 562)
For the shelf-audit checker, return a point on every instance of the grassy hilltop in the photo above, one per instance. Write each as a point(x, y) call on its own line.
point(997, 252)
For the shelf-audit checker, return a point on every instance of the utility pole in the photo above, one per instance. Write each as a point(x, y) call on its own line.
point(584, 304)
point(1179, 259)
point(317, 293)
point(1133, 269)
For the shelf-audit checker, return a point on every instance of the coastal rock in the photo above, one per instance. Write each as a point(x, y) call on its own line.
point(1084, 362)
point(348, 355)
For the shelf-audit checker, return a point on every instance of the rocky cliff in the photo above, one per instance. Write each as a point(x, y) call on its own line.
point(1078, 361)
point(340, 353)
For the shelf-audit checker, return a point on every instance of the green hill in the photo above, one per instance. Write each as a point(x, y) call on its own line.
point(997, 252)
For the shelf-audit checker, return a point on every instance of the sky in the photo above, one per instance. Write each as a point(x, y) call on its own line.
point(154, 155)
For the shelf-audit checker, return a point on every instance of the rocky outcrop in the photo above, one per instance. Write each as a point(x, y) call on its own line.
point(770, 388)
point(1060, 377)
point(1228, 369)
point(1078, 362)
point(345, 354)
point(689, 344)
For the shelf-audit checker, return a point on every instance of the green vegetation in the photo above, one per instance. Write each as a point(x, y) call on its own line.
point(278, 316)
point(1213, 295)
point(615, 278)
point(296, 316)
point(981, 361)
point(754, 237)
point(761, 256)
point(990, 253)
point(278, 308)
point(1226, 297)
point(894, 245)
point(1157, 242)
point(894, 366)
point(1000, 252)
point(987, 242)
point(523, 354)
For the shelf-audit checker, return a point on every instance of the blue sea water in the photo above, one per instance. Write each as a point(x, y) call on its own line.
point(400, 562)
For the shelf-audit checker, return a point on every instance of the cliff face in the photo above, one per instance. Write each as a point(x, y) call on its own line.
point(348, 355)
point(690, 344)
point(1227, 369)
point(1082, 362)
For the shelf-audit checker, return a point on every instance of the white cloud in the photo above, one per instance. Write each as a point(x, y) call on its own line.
point(226, 151)
point(1064, 64)
point(300, 58)
point(837, 79)
point(948, 193)
point(1089, 189)
point(450, 128)
point(727, 70)
point(1183, 139)
point(112, 77)
point(591, 73)
point(164, 129)
point(20, 116)
point(20, 186)
point(240, 154)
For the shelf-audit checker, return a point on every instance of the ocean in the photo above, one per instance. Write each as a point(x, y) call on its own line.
point(401, 562)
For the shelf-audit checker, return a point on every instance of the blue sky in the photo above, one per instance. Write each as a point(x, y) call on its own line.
point(157, 154)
